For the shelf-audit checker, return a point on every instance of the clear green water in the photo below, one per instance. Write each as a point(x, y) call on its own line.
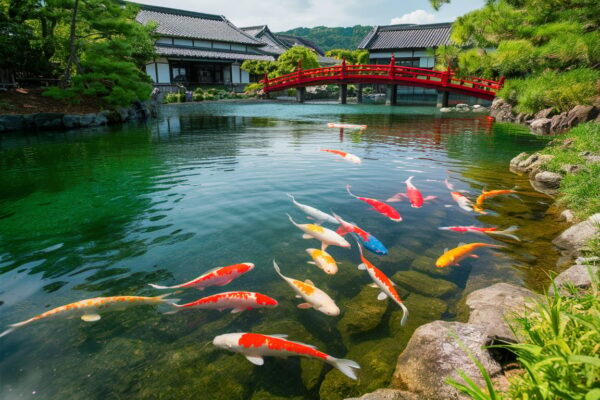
point(107, 211)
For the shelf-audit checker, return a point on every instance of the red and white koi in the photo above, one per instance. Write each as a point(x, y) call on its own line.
point(323, 260)
point(219, 276)
point(370, 242)
point(462, 201)
point(346, 156)
point(313, 213)
point(383, 283)
point(237, 301)
point(347, 126)
point(379, 206)
point(88, 309)
point(255, 346)
point(326, 236)
point(412, 194)
point(315, 297)
point(490, 231)
point(453, 256)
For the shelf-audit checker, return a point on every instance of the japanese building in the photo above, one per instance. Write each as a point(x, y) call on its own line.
point(199, 49)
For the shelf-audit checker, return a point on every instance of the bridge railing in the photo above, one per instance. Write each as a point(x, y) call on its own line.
point(379, 73)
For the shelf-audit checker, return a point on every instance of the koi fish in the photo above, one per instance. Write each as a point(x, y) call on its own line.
point(384, 283)
point(255, 346)
point(448, 184)
point(346, 156)
point(370, 242)
point(315, 297)
point(491, 193)
point(313, 213)
point(452, 257)
point(237, 301)
point(490, 231)
point(412, 194)
point(219, 276)
point(323, 260)
point(348, 126)
point(462, 201)
point(379, 206)
point(326, 236)
point(88, 309)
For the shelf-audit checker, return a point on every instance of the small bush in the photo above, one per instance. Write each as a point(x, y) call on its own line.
point(291, 92)
point(212, 91)
point(209, 97)
point(198, 91)
point(171, 98)
point(198, 96)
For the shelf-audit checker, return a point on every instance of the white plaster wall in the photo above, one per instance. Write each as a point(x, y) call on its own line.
point(235, 73)
point(164, 75)
point(245, 77)
point(151, 71)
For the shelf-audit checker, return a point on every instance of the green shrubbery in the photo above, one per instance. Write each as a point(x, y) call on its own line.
point(200, 94)
point(558, 352)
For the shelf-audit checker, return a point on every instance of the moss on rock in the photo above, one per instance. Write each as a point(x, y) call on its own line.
point(417, 282)
point(361, 314)
point(421, 310)
point(426, 265)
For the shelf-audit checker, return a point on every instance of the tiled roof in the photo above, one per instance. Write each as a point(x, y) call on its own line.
point(299, 41)
point(186, 24)
point(407, 36)
point(172, 51)
point(272, 44)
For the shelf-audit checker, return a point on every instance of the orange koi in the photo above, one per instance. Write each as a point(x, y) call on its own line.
point(484, 195)
point(346, 156)
point(379, 206)
point(88, 309)
point(452, 257)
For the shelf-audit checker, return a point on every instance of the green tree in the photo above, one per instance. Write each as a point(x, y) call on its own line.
point(333, 38)
point(351, 56)
point(288, 61)
point(260, 68)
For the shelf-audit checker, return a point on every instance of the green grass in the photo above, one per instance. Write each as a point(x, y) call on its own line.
point(559, 90)
point(580, 191)
point(559, 350)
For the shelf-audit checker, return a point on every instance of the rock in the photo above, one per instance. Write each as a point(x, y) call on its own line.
point(462, 105)
point(445, 109)
point(522, 118)
point(421, 310)
point(535, 167)
point(433, 355)
point(591, 158)
point(387, 394)
point(576, 237)
point(361, 314)
point(570, 168)
point(478, 106)
point(501, 111)
point(87, 120)
point(11, 123)
point(545, 113)
point(541, 126)
point(514, 163)
point(101, 119)
point(577, 275)
point(567, 143)
point(580, 114)
point(491, 305)
point(71, 121)
point(427, 266)
point(417, 282)
point(558, 123)
point(548, 179)
point(567, 215)
point(48, 120)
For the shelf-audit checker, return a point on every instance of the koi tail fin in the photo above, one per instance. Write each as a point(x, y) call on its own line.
point(444, 228)
point(9, 330)
point(409, 179)
point(349, 192)
point(278, 270)
point(346, 367)
point(292, 197)
point(507, 233)
point(161, 287)
point(170, 304)
point(13, 327)
point(404, 314)
point(341, 230)
point(358, 244)
point(292, 221)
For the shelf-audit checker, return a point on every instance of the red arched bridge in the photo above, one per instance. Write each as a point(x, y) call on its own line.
point(392, 75)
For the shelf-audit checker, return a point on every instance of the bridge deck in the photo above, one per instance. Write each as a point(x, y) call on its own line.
point(385, 74)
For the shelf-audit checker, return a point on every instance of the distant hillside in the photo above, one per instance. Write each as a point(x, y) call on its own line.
point(333, 38)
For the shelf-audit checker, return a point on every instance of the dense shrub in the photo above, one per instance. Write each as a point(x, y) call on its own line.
point(197, 96)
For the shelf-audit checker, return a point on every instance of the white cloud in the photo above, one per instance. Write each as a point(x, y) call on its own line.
point(415, 17)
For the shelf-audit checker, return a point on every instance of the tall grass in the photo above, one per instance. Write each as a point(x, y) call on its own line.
point(559, 90)
point(558, 350)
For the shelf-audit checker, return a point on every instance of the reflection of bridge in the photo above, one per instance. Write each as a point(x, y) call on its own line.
point(392, 75)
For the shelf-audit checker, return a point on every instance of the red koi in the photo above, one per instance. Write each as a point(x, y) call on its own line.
point(237, 301)
point(379, 206)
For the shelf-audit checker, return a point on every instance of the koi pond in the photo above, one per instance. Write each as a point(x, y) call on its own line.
point(107, 211)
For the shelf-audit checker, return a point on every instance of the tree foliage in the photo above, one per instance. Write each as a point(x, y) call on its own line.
point(333, 38)
point(351, 56)
point(288, 61)
point(260, 68)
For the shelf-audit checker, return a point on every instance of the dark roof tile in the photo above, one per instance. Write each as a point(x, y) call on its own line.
point(393, 37)
point(173, 51)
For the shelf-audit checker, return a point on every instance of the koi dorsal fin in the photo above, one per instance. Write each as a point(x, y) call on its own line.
point(278, 335)
point(309, 282)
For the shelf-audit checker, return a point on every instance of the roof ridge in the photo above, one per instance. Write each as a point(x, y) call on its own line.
point(176, 11)
point(242, 32)
point(414, 26)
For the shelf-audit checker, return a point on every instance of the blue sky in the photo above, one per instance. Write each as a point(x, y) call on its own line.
point(282, 15)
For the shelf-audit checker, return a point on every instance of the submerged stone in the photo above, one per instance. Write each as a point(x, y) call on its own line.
point(417, 282)
point(426, 265)
point(361, 314)
point(421, 310)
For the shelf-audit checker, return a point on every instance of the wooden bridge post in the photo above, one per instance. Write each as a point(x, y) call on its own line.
point(300, 94)
point(443, 95)
point(266, 86)
point(359, 93)
point(343, 86)
point(391, 95)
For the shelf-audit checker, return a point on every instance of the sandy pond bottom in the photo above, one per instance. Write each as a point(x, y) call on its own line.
point(105, 212)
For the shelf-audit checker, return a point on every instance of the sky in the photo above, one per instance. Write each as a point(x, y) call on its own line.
point(282, 15)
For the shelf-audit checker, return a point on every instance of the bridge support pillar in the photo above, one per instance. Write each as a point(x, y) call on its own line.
point(343, 93)
point(359, 93)
point(442, 98)
point(391, 96)
point(300, 94)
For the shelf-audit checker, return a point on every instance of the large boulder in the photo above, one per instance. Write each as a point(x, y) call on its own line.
point(546, 182)
point(490, 306)
point(578, 275)
point(540, 126)
point(11, 123)
point(501, 111)
point(576, 237)
point(387, 394)
point(48, 120)
point(433, 355)
point(580, 114)
point(545, 113)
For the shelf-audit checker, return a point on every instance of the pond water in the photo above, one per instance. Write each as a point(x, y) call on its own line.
point(106, 211)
